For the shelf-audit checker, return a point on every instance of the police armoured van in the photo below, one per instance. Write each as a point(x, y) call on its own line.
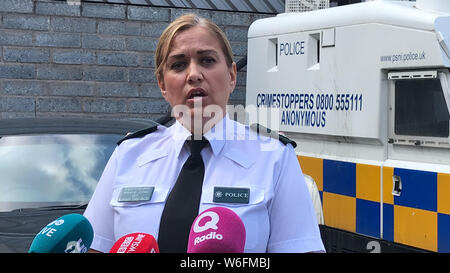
point(364, 91)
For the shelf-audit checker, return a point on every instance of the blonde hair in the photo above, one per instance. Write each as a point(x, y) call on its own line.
point(182, 23)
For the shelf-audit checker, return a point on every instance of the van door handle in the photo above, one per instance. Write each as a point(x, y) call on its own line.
point(397, 185)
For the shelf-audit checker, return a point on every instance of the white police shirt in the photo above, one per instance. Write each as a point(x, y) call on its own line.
point(257, 177)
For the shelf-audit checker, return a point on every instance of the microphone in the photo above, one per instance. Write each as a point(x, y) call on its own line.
point(135, 243)
point(217, 230)
point(71, 233)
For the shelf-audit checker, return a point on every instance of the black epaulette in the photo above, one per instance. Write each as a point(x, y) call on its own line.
point(139, 133)
point(273, 134)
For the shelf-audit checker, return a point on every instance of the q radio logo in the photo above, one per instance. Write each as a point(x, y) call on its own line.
point(211, 224)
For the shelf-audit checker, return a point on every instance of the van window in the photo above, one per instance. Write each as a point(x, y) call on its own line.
point(420, 108)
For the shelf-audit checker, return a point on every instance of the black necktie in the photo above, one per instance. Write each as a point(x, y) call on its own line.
point(182, 204)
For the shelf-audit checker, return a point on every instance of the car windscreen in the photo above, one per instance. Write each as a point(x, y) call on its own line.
point(51, 170)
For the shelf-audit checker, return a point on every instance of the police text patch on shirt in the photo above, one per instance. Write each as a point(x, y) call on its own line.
point(136, 194)
point(231, 195)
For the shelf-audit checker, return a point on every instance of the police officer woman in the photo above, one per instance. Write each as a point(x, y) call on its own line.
point(147, 185)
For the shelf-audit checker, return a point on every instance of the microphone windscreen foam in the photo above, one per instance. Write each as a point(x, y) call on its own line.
point(135, 243)
point(71, 233)
point(217, 230)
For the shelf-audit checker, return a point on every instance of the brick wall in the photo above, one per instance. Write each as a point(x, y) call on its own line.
point(93, 59)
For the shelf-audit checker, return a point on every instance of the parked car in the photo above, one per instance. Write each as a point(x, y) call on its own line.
point(50, 167)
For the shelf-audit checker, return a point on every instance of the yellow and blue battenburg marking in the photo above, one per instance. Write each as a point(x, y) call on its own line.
point(356, 198)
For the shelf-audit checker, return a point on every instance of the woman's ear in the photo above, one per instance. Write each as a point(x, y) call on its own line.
point(233, 76)
point(162, 86)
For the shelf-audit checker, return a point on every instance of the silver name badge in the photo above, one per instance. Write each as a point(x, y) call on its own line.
point(136, 194)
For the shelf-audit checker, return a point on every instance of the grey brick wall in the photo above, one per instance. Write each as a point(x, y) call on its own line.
point(93, 59)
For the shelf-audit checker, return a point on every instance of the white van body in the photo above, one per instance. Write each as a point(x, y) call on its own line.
point(364, 91)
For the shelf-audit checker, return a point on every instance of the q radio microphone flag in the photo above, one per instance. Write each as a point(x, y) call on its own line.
point(71, 233)
point(217, 230)
point(135, 243)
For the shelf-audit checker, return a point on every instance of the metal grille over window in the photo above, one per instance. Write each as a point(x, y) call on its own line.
point(419, 111)
point(420, 108)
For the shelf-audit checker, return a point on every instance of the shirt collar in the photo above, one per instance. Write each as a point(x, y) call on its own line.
point(226, 129)
point(216, 136)
point(229, 130)
point(179, 135)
